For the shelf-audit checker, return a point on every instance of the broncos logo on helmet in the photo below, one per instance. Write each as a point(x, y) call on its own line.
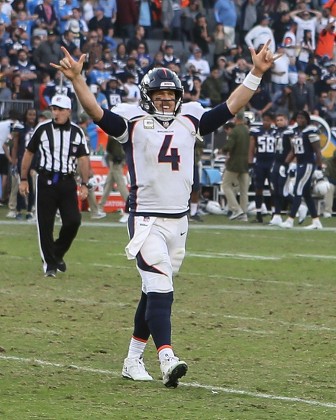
point(160, 79)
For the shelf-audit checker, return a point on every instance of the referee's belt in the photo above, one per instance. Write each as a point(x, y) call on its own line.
point(54, 176)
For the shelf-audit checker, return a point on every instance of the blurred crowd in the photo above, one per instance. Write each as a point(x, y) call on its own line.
point(206, 42)
point(117, 36)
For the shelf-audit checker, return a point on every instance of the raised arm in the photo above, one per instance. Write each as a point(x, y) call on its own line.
point(72, 70)
point(261, 63)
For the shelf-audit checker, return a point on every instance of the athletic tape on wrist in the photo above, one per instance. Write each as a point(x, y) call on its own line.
point(251, 81)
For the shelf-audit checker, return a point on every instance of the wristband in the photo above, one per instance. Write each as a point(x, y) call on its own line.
point(24, 179)
point(251, 81)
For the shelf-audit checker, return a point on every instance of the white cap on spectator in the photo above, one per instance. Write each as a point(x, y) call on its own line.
point(74, 26)
point(61, 101)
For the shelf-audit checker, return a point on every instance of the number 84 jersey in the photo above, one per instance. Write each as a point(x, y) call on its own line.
point(160, 159)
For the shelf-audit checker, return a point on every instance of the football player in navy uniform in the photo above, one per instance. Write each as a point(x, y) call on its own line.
point(283, 146)
point(306, 149)
point(261, 157)
point(158, 136)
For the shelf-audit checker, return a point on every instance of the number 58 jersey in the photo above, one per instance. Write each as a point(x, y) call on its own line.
point(160, 159)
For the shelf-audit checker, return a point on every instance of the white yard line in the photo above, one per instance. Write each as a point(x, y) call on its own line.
point(211, 388)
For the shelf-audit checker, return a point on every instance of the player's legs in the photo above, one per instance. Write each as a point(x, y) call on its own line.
point(229, 180)
point(160, 256)
point(302, 183)
point(259, 182)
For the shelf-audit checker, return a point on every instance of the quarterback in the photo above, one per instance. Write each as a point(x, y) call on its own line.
point(158, 136)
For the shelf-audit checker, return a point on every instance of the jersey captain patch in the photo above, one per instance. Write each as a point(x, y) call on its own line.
point(148, 123)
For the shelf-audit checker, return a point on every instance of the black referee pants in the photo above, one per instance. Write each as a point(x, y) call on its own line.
point(49, 198)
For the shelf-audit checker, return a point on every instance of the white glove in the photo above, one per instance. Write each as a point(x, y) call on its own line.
point(318, 174)
point(283, 171)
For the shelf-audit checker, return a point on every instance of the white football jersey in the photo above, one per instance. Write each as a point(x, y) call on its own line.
point(160, 158)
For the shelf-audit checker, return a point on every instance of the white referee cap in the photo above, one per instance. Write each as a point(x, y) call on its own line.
point(62, 101)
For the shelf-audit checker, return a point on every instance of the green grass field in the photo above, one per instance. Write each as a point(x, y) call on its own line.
point(254, 317)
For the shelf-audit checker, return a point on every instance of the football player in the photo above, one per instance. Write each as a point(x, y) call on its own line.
point(158, 136)
point(283, 136)
point(261, 157)
point(306, 149)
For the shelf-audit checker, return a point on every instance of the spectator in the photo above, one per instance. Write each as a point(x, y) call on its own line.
point(201, 37)
point(302, 96)
point(260, 103)
point(132, 89)
point(77, 37)
point(238, 72)
point(305, 21)
point(188, 18)
point(100, 21)
point(58, 86)
point(225, 13)
point(47, 52)
point(98, 74)
point(120, 57)
point(110, 9)
point(114, 92)
point(64, 13)
point(5, 92)
point(280, 26)
point(19, 91)
point(16, 42)
point(127, 18)
point(46, 16)
point(27, 70)
point(201, 65)
point(326, 42)
point(325, 108)
point(331, 5)
point(88, 9)
point(93, 49)
point(138, 38)
point(212, 87)
point(78, 21)
point(67, 41)
point(132, 68)
point(260, 34)
point(169, 56)
point(279, 71)
point(306, 49)
point(171, 19)
point(145, 16)
point(248, 18)
point(221, 43)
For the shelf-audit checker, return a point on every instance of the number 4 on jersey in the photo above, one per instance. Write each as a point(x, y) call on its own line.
point(173, 157)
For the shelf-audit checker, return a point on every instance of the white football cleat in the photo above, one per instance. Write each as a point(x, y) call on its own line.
point(315, 225)
point(134, 368)
point(276, 220)
point(172, 369)
point(124, 218)
point(98, 215)
point(287, 224)
point(327, 215)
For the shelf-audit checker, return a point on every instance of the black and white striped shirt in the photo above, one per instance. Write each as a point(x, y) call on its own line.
point(59, 146)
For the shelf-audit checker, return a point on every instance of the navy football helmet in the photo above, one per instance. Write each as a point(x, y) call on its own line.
point(160, 79)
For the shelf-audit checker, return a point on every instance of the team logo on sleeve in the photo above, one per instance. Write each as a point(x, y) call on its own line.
point(148, 123)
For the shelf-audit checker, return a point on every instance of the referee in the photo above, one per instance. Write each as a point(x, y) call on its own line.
point(61, 145)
